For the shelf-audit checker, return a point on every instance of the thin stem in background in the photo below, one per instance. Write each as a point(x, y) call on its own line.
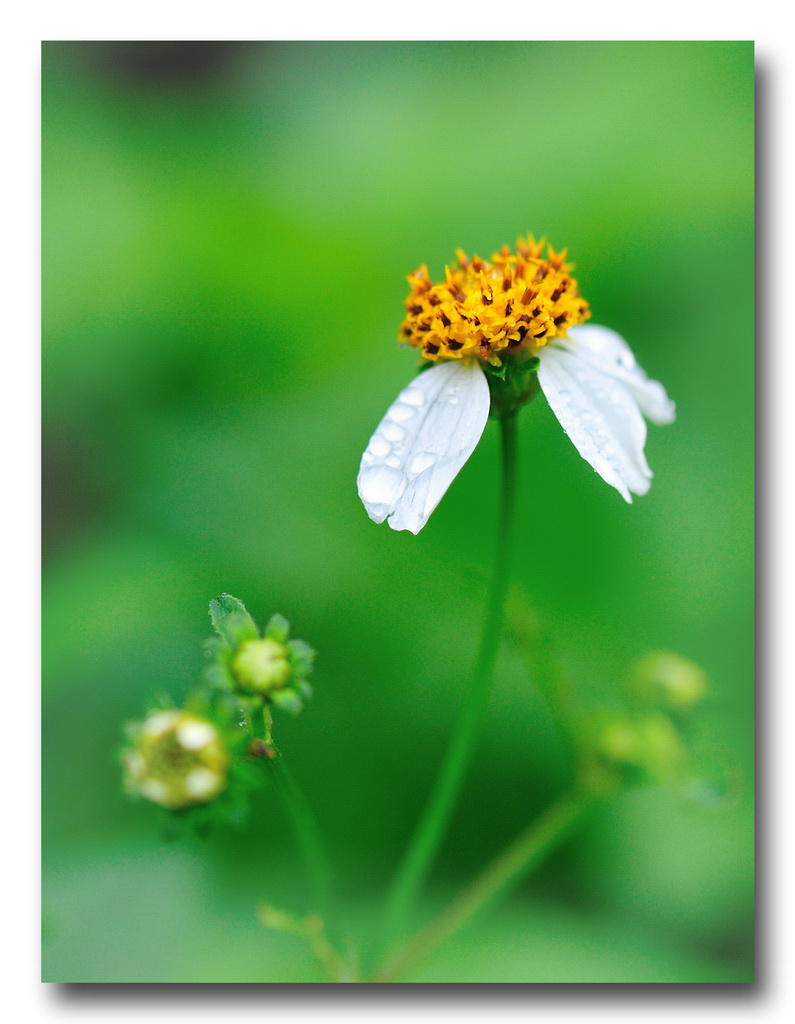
point(315, 927)
point(514, 863)
point(308, 838)
point(444, 796)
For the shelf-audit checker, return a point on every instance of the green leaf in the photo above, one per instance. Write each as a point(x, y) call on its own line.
point(278, 628)
point(231, 621)
point(301, 655)
point(217, 676)
point(287, 700)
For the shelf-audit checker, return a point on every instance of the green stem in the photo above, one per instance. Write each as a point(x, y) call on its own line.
point(308, 837)
point(515, 862)
point(311, 930)
point(441, 804)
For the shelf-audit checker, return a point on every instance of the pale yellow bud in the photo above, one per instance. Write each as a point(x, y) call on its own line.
point(261, 666)
point(670, 680)
point(178, 760)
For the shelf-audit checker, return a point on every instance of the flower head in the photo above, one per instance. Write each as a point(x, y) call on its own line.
point(492, 309)
point(177, 759)
point(494, 329)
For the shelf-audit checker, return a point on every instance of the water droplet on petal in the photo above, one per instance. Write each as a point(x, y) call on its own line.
point(413, 397)
point(381, 485)
point(393, 432)
point(401, 412)
point(420, 462)
point(379, 446)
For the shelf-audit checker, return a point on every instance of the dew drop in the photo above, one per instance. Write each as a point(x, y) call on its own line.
point(393, 461)
point(400, 412)
point(393, 432)
point(413, 397)
point(421, 461)
point(380, 447)
point(381, 485)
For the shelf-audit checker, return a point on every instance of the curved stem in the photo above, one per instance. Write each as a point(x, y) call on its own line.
point(508, 868)
point(444, 796)
point(314, 928)
point(307, 835)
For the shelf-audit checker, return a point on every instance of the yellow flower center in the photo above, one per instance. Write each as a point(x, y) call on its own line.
point(516, 302)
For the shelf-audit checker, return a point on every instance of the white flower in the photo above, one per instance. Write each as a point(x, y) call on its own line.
point(592, 383)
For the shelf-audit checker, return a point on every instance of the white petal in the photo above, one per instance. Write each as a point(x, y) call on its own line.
point(195, 735)
point(423, 441)
point(600, 415)
point(608, 352)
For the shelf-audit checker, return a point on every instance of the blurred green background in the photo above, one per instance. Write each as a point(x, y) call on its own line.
point(226, 233)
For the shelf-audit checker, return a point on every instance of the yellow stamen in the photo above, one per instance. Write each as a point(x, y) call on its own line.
point(486, 309)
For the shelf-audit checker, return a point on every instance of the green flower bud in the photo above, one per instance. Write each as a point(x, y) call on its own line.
point(269, 668)
point(646, 748)
point(661, 749)
point(260, 666)
point(620, 742)
point(177, 760)
point(670, 681)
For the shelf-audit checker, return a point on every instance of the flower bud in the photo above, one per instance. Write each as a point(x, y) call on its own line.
point(646, 748)
point(670, 681)
point(662, 751)
point(271, 668)
point(177, 760)
point(260, 666)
